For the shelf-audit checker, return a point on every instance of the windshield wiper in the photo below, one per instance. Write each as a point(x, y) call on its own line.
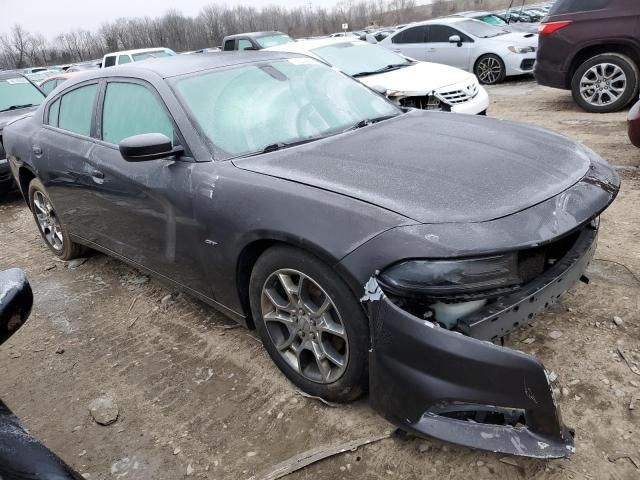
point(368, 121)
point(388, 68)
point(18, 107)
point(272, 147)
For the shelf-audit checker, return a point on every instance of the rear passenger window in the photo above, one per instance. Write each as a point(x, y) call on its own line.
point(411, 35)
point(132, 109)
point(229, 45)
point(110, 61)
point(52, 116)
point(76, 110)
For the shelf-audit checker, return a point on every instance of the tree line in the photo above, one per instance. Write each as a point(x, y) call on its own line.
point(21, 48)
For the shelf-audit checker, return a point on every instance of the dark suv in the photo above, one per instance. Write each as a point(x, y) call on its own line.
point(592, 47)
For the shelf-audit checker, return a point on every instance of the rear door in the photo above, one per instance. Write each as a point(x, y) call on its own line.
point(411, 42)
point(66, 142)
point(441, 50)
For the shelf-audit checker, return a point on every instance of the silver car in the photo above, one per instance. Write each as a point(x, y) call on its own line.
point(490, 52)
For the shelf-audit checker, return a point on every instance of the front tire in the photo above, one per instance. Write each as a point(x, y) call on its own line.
point(311, 324)
point(49, 225)
point(490, 69)
point(605, 83)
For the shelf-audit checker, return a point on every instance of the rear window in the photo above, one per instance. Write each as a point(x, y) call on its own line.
point(17, 93)
point(76, 110)
point(570, 6)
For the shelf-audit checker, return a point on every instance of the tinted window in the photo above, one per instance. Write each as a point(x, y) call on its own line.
point(244, 43)
point(441, 34)
point(411, 35)
point(76, 109)
point(18, 92)
point(122, 59)
point(131, 109)
point(52, 117)
point(246, 108)
point(110, 61)
point(229, 44)
point(566, 6)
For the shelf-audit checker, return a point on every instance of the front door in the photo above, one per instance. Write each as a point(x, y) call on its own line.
point(148, 213)
point(441, 50)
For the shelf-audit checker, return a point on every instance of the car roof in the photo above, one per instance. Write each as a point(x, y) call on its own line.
point(305, 46)
point(254, 34)
point(442, 20)
point(137, 50)
point(471, 14)
point(182, 65)
point(6, 75)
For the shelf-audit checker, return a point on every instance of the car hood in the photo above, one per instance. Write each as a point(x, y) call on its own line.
point(418, 79)
point(11, 115)
point(436, 167)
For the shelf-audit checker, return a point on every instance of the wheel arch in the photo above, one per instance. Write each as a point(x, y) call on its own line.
point(623, 48)
point(251, 252)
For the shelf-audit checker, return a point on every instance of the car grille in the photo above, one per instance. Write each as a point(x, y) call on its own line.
point(527, 64)
point(458, 95)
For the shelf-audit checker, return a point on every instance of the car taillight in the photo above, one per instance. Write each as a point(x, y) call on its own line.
point(551, 27)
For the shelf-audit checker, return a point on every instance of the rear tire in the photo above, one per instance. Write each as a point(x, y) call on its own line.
point(53, 232)
point(306, 345)
point(605, 83)
point(490, 69)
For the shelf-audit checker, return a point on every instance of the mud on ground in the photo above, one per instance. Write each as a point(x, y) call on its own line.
point(199, 400)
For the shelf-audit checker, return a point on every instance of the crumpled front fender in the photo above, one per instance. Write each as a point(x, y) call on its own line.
point(440, 383)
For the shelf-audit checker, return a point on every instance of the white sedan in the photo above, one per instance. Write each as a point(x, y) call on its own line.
point(405, 81)
point(488, 51)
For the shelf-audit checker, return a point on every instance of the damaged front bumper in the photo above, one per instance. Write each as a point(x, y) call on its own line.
point(457, 386)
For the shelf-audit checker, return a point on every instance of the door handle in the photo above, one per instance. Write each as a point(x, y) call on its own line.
point(37, 151)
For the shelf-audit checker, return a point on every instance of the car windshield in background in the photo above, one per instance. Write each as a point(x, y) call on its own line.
point(492, 20)
point(137, 57)
point(273, 40)
point(252, 108)
point(480, 29)
point(16, 93)
point(360, 58)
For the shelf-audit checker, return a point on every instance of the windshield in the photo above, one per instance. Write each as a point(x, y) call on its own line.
point(153, 54)
point(245, 109)
point(273, 40)
point(480, 29)
point(493, 20)
point(18, 92)
point(355, 58)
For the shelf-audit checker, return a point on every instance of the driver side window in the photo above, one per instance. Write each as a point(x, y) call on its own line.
point(133, 109)
point(442, 33)
point(244, 43)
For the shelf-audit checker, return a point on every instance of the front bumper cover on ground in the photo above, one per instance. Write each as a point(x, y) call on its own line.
point(465, 390)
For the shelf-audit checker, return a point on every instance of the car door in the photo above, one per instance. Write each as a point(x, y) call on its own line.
point(145, 207)
point(411, 42)
point(62, 148)
point(441, 50)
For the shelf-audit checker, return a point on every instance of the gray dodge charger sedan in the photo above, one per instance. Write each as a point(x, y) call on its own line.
point(373, 248)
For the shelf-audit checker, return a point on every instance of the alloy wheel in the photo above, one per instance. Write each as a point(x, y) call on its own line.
point(305, 326)
point(489, 70)
point(48, 221)
point(603, 84)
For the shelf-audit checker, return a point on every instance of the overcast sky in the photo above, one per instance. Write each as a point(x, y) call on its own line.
point(55, 16)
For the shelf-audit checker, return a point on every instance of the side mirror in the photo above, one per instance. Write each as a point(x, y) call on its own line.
point(455, 39)
point(148, 146)
point(16, 300)
point(250, 48)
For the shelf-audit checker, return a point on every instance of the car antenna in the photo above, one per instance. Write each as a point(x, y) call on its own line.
point(506, 12)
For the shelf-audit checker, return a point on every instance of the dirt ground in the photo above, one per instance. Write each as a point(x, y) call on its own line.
point(198, 400)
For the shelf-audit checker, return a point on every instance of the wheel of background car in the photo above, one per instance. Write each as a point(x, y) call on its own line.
point(605, 83)
point(311, 324)
point(49, 225)
point(490, 69)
